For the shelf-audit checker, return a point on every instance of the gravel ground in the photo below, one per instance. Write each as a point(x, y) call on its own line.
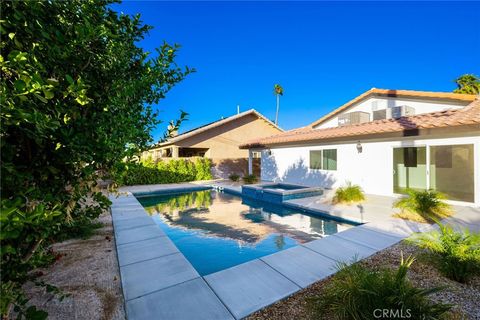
point(88, 271)
point(465, 297)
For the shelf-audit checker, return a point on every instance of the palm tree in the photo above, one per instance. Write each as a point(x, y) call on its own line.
point(278, 91)
point(468, 83)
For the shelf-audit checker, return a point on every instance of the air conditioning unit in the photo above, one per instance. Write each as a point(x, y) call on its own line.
point(401, 111)
point(355, 117)
point(379, 114)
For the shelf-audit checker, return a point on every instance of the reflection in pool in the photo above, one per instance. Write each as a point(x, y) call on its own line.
point(216, 230)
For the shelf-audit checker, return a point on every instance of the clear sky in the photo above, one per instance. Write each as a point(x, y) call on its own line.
point(322, 53)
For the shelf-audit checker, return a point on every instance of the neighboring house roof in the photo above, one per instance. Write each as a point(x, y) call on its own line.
point(467, 116)
point(397, 93)
point(214, 124)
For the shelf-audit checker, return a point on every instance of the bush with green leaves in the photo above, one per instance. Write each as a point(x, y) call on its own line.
point(234, 177)
point(169, 171)
point(76, 93)
point(427, 205)
point(356, 292)
point(456, 253)
point(250, 178)
point(348, 194)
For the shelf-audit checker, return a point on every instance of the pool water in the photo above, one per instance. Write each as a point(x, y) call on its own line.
point(283, 187)
point(217, 230)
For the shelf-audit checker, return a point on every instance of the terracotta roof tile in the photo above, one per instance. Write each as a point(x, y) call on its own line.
point(469, 115)
point(212, 125)
point(397, 93)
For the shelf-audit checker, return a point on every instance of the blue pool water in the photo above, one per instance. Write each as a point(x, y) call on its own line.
point(216, 230)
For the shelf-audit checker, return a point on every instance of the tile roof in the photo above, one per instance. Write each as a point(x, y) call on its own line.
point(214, 124)
point(397, 93)
point(467, 116)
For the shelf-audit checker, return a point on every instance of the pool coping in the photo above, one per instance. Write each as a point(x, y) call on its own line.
point(236, 292)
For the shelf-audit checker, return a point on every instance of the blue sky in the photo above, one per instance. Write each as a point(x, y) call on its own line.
point(322, 53)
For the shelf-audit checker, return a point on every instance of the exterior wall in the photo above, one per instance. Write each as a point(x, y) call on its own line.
point(421, 106)
point(372, 169)
point(223, 168)
point(223, 141)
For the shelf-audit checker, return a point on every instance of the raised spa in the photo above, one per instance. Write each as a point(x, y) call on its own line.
point(279, 192)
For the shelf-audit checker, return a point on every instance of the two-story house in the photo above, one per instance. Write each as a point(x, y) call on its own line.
point(385, 141)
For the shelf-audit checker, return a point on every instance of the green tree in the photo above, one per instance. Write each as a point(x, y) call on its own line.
point(468, 83)
point(277, 91)
point(76, 97)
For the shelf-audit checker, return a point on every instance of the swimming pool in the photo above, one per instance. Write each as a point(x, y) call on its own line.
point(216, 230)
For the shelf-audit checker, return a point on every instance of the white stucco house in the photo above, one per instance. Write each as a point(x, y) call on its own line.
point(385, 141)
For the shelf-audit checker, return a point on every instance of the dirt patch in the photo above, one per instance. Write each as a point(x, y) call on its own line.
point(88, 272)
point(465, 297)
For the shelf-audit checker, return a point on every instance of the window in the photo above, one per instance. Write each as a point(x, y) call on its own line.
point(323, 159)
point(330, 159)
point(316, 159)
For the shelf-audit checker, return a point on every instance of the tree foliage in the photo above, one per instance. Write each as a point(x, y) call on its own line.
point(76, 94)
point(468, 83)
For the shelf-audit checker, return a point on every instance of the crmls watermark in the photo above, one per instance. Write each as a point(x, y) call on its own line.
point(392, 314)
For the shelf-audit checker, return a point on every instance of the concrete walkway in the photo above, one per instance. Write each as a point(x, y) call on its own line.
point(375, 209)
point(160, 283)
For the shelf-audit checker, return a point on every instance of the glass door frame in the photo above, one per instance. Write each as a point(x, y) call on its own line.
point(427, 145)
point(427, 163)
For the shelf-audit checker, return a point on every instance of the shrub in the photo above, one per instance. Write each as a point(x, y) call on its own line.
point(234, 177)
point(355, 292)
point(423, 206)
point(457, 253)
point(249, 178)
point(348, 194)
point(203, 169)
point(173, 171)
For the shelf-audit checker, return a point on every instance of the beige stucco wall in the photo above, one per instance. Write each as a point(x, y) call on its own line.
point(224, 140)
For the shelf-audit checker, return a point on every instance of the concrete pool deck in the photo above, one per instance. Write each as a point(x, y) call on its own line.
point(158, 282)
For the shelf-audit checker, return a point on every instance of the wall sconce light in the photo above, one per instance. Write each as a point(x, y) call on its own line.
point(359, 147)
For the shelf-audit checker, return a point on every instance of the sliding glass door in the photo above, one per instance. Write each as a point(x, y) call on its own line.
point(409, 169)
point(451, 171)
